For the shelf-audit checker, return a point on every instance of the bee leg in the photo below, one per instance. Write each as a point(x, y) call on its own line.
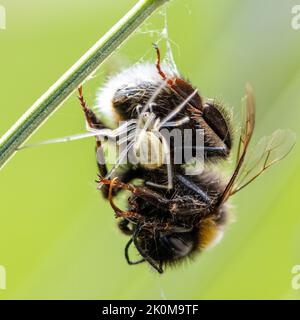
point(125, 175)
point(158, 67)
point(174, 206)
point(153, 263)
point(95, 123)
point(119, 212)
point(127, 254)
point(194, 187)
point(145, 257)
point(102, 167)
point(92, 120)
point(149, 195)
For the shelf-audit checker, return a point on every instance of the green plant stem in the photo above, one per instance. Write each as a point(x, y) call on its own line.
point(41, 110)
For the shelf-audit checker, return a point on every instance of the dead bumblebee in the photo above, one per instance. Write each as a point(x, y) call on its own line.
point(168, 226)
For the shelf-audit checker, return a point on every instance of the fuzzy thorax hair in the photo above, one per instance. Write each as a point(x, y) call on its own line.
point(134, 77)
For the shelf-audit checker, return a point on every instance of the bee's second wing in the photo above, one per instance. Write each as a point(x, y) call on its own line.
point(267, 152)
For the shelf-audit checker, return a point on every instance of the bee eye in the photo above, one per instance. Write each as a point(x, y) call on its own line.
point(177, 244)
point(215, 119)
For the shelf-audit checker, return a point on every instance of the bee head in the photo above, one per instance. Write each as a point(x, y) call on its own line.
point(174, 246)
point(166, 248)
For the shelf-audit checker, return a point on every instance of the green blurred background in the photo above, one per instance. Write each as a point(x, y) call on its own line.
point(58, 238)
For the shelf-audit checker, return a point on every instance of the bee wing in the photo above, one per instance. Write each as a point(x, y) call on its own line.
point(248, 124)
point(267, 152)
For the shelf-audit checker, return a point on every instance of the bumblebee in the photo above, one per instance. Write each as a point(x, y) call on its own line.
point(170, 225)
